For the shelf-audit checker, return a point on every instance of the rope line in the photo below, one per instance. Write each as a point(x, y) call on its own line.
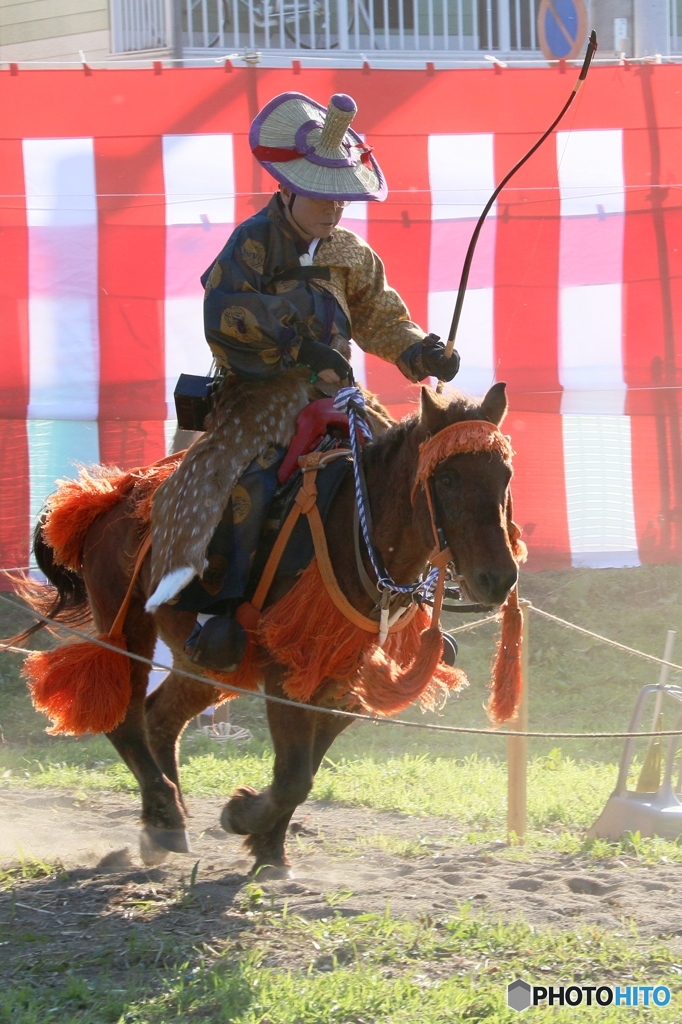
point(454, 729)
point(604, 639)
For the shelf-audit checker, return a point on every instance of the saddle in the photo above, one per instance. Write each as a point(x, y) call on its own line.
point(320, 428)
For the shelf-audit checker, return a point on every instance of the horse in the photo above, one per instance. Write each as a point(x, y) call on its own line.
point(469, 494)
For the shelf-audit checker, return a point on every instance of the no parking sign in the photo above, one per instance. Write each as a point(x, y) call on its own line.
point(562, 28)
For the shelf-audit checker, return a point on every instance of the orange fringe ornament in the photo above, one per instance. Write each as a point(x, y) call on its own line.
point(385, 681)
point(80, 686)
point(507, 683)
point(73, 508)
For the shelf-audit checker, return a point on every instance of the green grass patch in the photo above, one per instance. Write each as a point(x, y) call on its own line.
point(361, 970)
point(564, 797)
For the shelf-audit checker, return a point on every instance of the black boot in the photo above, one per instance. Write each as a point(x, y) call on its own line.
point(219, 644)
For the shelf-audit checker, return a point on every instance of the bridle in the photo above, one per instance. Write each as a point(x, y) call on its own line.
point(469, 436)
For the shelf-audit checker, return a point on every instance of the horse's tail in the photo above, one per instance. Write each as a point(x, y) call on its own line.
point(63, 599)
point(81, 685)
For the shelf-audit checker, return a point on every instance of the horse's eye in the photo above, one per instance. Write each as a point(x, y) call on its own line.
point(446, 479)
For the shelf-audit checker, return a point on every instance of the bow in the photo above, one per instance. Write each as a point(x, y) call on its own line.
point(591, 50)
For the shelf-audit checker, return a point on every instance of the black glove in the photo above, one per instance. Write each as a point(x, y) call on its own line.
point(321, 357)
point(435, 361)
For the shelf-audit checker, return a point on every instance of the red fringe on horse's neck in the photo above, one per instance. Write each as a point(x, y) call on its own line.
point(385, 681)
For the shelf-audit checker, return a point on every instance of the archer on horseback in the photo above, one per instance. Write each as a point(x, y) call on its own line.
point(282, 301)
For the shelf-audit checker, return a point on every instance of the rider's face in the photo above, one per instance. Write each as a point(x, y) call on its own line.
point(314, 218)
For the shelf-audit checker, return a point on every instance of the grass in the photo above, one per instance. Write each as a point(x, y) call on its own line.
point(564, 797)
point(370, 968)
point(576, 684)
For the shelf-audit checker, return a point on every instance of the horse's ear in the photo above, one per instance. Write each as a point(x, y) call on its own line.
point(494, 405)
point(431, 411)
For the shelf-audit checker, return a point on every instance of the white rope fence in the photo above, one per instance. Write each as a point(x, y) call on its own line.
point(428, 726)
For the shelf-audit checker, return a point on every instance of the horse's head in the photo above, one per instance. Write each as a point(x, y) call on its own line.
point(465, 472)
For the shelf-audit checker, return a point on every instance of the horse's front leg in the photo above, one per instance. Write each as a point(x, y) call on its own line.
point(168, 709)
point(163, 816)
point(108, 552)
point(300, 739)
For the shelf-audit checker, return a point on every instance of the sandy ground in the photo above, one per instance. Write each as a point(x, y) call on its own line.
point(334, 850)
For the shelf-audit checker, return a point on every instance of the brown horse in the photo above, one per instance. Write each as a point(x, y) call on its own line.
point(471, 497)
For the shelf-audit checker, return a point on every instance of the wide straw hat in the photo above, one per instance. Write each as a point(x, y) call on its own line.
point(314, 151)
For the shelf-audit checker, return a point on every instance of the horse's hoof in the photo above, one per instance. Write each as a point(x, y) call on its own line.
point(270, 872)
point(157, 843)
point(230, 826)
point(229, 818)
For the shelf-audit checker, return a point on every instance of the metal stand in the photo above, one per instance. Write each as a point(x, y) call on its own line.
point(656, 813)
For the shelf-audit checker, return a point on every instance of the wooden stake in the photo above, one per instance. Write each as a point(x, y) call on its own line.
point(517, 747)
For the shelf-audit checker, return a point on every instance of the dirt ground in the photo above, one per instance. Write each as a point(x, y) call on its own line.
point(342, 858)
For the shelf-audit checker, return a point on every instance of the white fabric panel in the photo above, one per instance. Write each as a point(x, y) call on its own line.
point(198, 172)
point(357, 361)
point(61, 206)
point(599, 495)
point(200, 210)
point(55, 449)
point(591, 174)
point(461, 175)
point(592, 187)
point(186, 348)
point(590, 341)
point(475, 336)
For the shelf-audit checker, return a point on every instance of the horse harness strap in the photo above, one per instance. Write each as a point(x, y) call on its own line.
point(305, 502)
point(143, 551)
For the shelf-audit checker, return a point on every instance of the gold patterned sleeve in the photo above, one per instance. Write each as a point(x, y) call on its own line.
point(381, 320)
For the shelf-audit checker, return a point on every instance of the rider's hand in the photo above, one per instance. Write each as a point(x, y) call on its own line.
point(321, 357)
point(329, 377)
point(435, 361)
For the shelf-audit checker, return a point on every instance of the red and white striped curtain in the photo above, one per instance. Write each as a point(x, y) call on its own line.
point(120, 187)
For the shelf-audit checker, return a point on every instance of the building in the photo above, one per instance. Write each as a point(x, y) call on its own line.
point(406, 32)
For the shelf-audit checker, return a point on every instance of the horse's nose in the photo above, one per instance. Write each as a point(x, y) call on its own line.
point(494, 586)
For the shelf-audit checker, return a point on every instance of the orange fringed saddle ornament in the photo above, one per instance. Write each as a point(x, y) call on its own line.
point(341, 645)
point(83, 686)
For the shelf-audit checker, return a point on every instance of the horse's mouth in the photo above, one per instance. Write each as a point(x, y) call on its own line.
point(489, 588)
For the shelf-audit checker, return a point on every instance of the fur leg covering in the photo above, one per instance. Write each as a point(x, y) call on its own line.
point(248, 415)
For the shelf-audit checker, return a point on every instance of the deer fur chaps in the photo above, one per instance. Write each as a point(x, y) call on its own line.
point(247, 416)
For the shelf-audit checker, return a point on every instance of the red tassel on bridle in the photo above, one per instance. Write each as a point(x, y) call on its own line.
point(507, 682)
point(476, 436)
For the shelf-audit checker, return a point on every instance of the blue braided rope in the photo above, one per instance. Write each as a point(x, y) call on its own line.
point(351, 401)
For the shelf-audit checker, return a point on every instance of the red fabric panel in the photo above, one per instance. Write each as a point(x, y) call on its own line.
point(399, 230)
point(131, 279)
point(657, 476)
point(14, 479)
point(538, 487)
point(131, 443)
point(14, 363)
point(526, 275)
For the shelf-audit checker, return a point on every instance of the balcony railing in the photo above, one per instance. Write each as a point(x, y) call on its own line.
point(350, 27)
point(345, 26)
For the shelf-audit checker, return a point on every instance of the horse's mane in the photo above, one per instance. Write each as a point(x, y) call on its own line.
point(455, 406)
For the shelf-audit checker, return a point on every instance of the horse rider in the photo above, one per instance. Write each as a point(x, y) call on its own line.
point(282, 301)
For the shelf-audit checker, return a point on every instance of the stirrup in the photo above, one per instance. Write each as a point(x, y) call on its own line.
point(450, 648)
point(219, 644)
